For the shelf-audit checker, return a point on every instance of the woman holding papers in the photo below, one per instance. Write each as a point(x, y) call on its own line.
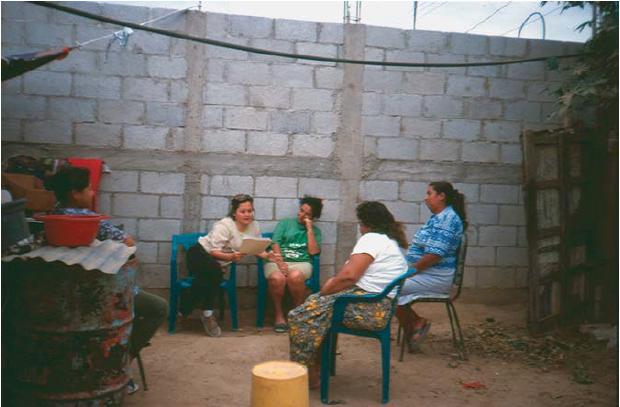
point(220, 247)
point(295, 239)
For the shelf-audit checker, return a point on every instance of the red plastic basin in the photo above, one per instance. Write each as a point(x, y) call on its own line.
point(70, 230)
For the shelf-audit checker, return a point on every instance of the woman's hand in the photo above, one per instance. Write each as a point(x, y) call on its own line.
point(236, 256)
point(283, 267)
point(274, 257)
point(308, 223)
point(129, 241)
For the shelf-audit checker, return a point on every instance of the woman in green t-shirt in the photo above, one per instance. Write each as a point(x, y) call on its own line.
point(296, 239)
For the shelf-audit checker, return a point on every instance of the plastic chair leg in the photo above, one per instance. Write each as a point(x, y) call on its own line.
point(172, 310)
point(142, 375)
point(260, 306)
point(232, 299)
point(385, 364)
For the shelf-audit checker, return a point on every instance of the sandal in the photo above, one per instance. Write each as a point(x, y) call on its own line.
point(280, 328)
point(419, 335)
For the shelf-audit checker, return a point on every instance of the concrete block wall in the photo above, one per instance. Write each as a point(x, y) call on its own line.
point(185, 126)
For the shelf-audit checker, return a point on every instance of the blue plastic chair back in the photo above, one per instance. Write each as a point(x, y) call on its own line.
point(314, 283)
point(187, 240)
point(328, 359)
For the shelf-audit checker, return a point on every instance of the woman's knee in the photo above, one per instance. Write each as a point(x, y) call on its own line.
point(276, 279)
point(295, 278)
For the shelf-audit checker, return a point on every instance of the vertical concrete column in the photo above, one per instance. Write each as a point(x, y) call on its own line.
point(350, 142)
point(195, 54)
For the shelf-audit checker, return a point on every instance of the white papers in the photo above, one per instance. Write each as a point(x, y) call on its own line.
point(253, 246)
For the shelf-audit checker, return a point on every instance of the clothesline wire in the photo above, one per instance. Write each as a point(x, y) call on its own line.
point(489, 17)
point(217, 43)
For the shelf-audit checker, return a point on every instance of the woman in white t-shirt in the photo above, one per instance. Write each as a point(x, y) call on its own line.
point(375, 262)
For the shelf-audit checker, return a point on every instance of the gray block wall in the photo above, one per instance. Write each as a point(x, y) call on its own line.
point(184, 126)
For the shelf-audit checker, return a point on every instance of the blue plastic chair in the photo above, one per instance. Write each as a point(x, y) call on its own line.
point(314, 283)
point(187, 240)
point(328, 354)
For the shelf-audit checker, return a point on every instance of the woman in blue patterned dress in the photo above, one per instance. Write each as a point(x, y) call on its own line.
point(433, 254)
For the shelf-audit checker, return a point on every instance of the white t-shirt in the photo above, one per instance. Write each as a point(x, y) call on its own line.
point(388, 263)
point(226, 237)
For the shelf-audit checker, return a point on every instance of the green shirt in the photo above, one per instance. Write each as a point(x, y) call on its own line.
point(292, 238)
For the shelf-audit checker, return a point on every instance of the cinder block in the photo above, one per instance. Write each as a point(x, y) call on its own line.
point(129, 225)
point(228, 53)
point(145, 89)
point(123, 64)
point(331, 210)
point(86, 32)
point(271, 44)
point(379, 190)
point(370, 146)
point(402, 105)
point(212, 117)
point(466, 86)
point(522, 237)
point(480, 152)
point(472, 236)
point(497, 236)
point(539, 48)
point(325, 122)
point(312, 99)
point(229, 185)
point(381, 126)
point(289, 122)
point(527, 70)
point(145, 137)
point(511, 154)
point(104, 203)
point(178, 91)
point(100, 87)
point(120, 181)
point(296, 30)
point(286, 208)
point(469, 277)
point(47, 83)
point(506, 194)
point(480, 256)
point(442, 106)
point(162, 182)
point(404, 211)
point(215, 70)
point(505, 277)
point(148, 252)
point(385, 37)
point(446, 59)
point(136, 205)
point(11, 130)
point(98, 134)
point(331, 32)
point(486, 277)
point(506, 88)
point(12, 87)
point(204, 184)
point(224, 94)
point(66, 18)
point(276, 187)
point(265, 143)
point(550, 113)
point(17, 10)
point(158, 229)
point(521, 277)
point(263, 209)
point(246, 26)
point(248, 73)
point(176, 139)
point(156, 276)
point(424, 128)
point(312, 146)
point(328, 254)
point(523, 110)
point(427, 41)
point(71, 109)
point(128, 13)
point(328, 232)
point(322, 188)
point(482, 214)
point(512, 215)
point(292, 76)
point(47, 131)
point(424, 83)
point(439, 150)
point(502, 131)
point(317, 49)
point(397, 148)
point(374, 54)
point(383, 81)
point(509, 47)
point(147, 43)
point(171, 207)
point(512, 256)
point(270, 96)
point(492, 71)
point(471, 191)
point(468, 44)
point(164, 250)
point(245, 118)
point(407, 56)
point(166, 67)
point(48, 34)
point(166, 114)
point(460, 129)
point(217, 25)
point(413, 191)
point(371, 103)
point(121, 111)
point(329, 78)
point(81, 61)
point(482, 108)
point(225, 141)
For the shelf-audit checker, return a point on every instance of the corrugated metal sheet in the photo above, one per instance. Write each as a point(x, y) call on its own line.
point(107, 256)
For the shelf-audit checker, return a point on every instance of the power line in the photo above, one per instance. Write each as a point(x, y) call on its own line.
point(532, 21)
point(434, 9)
point(229, 45)
point(487, 18)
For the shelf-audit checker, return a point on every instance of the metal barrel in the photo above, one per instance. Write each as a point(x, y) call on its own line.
point(66, 336)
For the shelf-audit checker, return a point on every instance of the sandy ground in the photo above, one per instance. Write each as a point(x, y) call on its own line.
point(190, 369)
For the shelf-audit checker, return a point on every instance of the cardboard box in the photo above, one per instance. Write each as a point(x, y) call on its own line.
point(31, 188)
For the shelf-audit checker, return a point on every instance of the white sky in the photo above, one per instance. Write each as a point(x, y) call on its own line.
point(447, 16)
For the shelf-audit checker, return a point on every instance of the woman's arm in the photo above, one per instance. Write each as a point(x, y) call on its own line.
point(313, 246)
point(349, 274)
point(425, 262)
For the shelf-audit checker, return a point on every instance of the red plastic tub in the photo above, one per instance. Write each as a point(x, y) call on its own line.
point(71, 230)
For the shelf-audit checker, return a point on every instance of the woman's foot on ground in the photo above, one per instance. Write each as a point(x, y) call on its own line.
point(210, 325)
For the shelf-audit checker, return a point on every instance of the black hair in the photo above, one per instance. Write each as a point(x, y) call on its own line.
point(236, 201)
point(66, 180)
point(375, 216)
point(453, 198)
point(316, 204)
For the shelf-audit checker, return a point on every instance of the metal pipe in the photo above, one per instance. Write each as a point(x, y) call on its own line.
point(542, 18)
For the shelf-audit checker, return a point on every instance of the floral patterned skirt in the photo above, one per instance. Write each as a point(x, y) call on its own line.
point(310, 321)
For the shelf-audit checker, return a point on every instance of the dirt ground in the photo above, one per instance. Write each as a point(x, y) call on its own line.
point(191, 369)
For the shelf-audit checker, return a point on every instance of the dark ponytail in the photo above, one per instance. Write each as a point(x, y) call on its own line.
point(375, 216)
point(66, 180)
point(453, 198)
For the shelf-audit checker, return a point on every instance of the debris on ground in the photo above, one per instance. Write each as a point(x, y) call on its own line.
point(602, 332)
point(473, 385)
